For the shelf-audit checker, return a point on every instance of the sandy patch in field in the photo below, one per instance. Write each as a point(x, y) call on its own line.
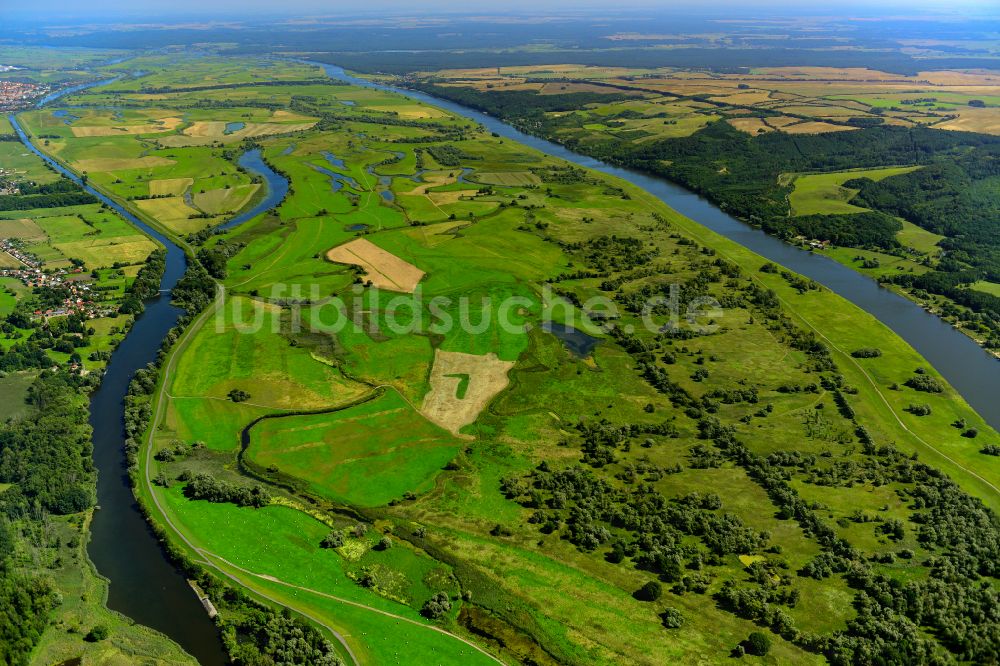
point(429, 180)
point(169, 186)
point(287, 116)
point(99, 164)
point(487, 376)
point(161, 125)
point(383, 269)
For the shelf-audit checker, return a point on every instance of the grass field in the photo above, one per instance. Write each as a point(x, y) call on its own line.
point(987, 287)
point(364, 456)
point(824, 193)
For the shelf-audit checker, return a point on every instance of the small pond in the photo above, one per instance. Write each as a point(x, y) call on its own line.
point(579, 343)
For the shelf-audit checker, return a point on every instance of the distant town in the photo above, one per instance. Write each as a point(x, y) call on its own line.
point(16, 95)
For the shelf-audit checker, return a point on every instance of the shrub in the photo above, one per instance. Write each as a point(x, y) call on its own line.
point(924, 383)
point(866, 352)
point(239, 395)
point(437, 606)
point(651, 591)
point(334, 539)
point(672, 618)
point(758, 643)
point(98, 633)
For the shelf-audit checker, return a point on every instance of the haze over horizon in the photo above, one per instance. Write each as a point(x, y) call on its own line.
point(237, 10)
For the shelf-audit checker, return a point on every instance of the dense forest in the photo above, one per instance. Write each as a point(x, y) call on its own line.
point(955, 194)
point(63, 192)
point(46, 455)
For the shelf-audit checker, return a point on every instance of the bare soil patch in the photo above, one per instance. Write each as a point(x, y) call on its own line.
point(461, 386)
point(384, 269)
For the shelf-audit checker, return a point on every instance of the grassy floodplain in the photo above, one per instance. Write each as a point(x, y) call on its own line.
point(464, 509)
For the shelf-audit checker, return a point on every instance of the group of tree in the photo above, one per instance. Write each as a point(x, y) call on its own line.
point(207, 487)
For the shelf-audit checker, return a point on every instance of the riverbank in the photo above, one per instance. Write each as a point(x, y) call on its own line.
point(121, 546)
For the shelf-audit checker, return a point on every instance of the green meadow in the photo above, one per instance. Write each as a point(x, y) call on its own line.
point(824, 193)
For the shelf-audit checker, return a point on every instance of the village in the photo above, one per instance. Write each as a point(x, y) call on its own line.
point(79, 299)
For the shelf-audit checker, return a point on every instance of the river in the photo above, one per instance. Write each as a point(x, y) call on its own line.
point(144, 584)
point(968, 367)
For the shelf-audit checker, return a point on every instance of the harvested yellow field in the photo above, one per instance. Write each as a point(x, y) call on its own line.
point(816, 128)
point(827, 73)
point(161, 125)
point(827, 110)
point(971, 77)
point(747, 97)
point(383, 269)
point(444, 198)
point(166, 209)
point(461, 386)
point(750, 125)
point(432, 235)
point(23, 228)
point(8, 261)
point(560, 88)
point(215, 202)
point(99, 253)
point(216, 129)
point(781, 121)
point(99, 164)
point(512, 178)
point(169, 186)
point(974, 120)
point(413, 111)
